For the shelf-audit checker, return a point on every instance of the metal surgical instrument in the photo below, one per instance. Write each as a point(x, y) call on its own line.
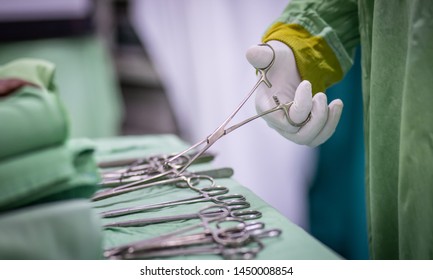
point(149, 165)
point(236, 253)
point(152, 168)
point(232, 242)
point(243, 214)
point(133, 163)
point(231, 236)
point(246, 249)
point(205, 220)
point(157, 169)
point(242, 244)
point(117, 179)
point(223, 130)
point(182, 181)
point(216, 194)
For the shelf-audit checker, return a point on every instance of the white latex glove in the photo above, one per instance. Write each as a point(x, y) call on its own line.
point(287, 86)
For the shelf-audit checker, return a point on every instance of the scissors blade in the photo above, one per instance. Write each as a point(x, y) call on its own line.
point(121, 189)
point(150, 221)
point(205, 158)
point(209, 212)
point(137, 209)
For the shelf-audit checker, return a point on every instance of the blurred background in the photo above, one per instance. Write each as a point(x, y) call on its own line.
point(178, 67)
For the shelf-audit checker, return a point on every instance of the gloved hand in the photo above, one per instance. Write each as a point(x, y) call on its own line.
point(311, 130)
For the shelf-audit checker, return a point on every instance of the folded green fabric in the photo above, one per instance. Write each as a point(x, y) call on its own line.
point(84, 182)
point(84, 77)
point(31, 118)
point(65, 230)
point(61, 172)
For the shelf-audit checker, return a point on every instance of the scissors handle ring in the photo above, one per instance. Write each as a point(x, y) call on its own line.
point(244, 253)
point(230, 197)
point(214, 191)
point(251, 226)
point(263, 233)
point(193, 181)
point(236, 205)
point(246, 214)
point(213, 212)
point(263, 71)
point(286, 109)
point(233, 235)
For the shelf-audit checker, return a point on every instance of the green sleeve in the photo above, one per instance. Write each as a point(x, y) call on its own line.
point(323, 36)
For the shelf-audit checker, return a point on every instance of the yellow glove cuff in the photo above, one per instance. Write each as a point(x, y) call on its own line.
point(315, 60)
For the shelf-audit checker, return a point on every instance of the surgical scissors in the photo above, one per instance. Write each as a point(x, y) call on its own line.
point(223, 130)
point(182, 181)
point(242, 214)
point(216, 194)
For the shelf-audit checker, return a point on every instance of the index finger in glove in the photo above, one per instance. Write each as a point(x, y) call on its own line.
point(319, 116)
point(302, 103)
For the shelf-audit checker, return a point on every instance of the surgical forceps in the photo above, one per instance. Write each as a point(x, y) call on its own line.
point(216, 194)
point(223, 241)
point(205, 220)
point(246, 250)
point(223, 130)
point(242, 214)
point(154, 167)
point(132, 163)
point(182, 181)
point(117, 179)
point(149, 165)
point(235, 253)
point(231, 236)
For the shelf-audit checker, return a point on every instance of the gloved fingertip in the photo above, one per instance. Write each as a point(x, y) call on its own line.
point(321, 97)
point(336, 106)
point(305, 85)
point(303, 94)
point(337, 102)
point(303, 102)
point(259, 56)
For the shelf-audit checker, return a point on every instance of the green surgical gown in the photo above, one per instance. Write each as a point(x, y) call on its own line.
point(396, 40)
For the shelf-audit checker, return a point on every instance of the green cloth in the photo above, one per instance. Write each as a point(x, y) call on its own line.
point(397, 55)
point(56, 173)
point(294, 243)
point(36, 161)
point(30, 112)
point(38, 165)
point(66, 230)
point(85, 79)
